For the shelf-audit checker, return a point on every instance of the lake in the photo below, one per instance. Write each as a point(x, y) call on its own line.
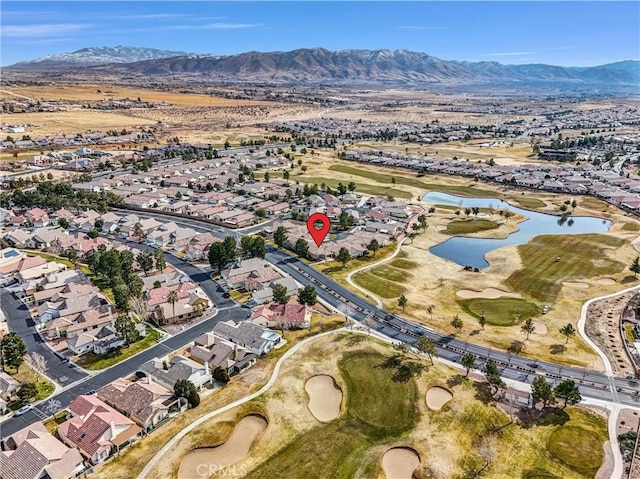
point(471, 251)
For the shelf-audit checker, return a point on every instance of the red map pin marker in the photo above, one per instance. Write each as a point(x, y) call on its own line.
point(318, 235)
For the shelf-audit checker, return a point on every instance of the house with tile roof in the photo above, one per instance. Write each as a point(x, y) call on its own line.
point(257, 339)
point(97, 429)
point(33, 453)
point(168, 371)
point(142, 399)
point(218, 352)
point(250, 274)
point(283, 316)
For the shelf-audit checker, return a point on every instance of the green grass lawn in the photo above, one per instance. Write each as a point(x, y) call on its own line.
point(471, 225)
point(532, 203)
point(378, 408)
point(580, 256)
point(578, 444)
point(52, 423)
point(95, 361)
point(378, 285)
point(27, 375)
point(240, 297)
point(365, 188)
point(501, 311)
point(390, 273)
point(338, 272)
point(385, 177)
point(401, 263)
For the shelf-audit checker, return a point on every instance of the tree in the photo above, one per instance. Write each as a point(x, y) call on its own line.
point(98, 224)
point(569, 392)
point(172, 299)
point(285, 175)
point(541, 390)
point(253, 246)
point(352, 186)
point(121, 295)
point(13, 350)
point(428, 347)
point(456, 322)
point(218, 257)
point(635, 267)
point(302, 247)
point(308, 295)
point(422, 220)
point(145, 260)
point(138, 306)
point(37, 362)
point(220, 374)
point(280, 236)
point(482, 320)
point(430, 309)
point(373, 246)
point(280, 294)
point(126, 329)
point(183, 388)
point(402, 302)
point(135, 284)
point(27, 392)
point(346, 221)
point(528, 327)
point(343, 256)
point(568, 331)
point(158, 256)
point(93, 233)
point(230, 246)
point(266, 176)
point(469, 362)
point(492, 374)
point(63, 223)
point(126, 263)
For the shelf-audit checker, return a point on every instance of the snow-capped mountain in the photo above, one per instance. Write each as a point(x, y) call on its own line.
point(101, 56)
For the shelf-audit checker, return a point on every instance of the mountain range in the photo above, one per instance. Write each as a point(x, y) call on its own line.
point(318, 65)
point(98, 56)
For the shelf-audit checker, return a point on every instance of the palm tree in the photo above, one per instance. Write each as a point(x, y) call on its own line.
point(172, 299)
point(430, 310)
point(528, 327)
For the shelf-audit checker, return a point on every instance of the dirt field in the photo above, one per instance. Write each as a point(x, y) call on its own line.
point(76, 121)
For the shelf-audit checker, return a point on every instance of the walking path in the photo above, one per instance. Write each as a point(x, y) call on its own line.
point(612, 420)
point(583, 321)
point(366, 292)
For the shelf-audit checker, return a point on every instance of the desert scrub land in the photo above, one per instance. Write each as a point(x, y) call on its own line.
point(384, 407)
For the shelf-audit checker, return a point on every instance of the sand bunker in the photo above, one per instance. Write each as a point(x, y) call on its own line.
point(541, 328)
point(606, 281)
point(487, 293)
point(400, 462)
point(325, 397)
point(438, 397)
point(202, 463)
point(575, 284)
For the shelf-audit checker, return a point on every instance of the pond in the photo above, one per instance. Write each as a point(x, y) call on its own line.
point(471, 251)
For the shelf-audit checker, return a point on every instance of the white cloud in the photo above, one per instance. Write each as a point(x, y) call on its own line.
point(42, 30)
point(506, 54)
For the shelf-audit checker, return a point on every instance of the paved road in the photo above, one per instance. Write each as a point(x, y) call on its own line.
point(592, 384)
point(19, 320)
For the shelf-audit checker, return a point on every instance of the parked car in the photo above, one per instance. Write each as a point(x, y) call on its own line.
point(23, 410)
point(90, 392)
point(61, 357)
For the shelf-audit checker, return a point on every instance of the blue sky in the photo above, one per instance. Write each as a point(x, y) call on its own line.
point(559, 33)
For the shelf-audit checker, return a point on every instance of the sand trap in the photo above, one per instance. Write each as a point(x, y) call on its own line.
point(232, 451)
point(575, 284)
point(438, 397)
point(400, 462)
point(487, 293)
point(606, 281)
point(441, 227)
point(325, 397)
point(541, 328)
